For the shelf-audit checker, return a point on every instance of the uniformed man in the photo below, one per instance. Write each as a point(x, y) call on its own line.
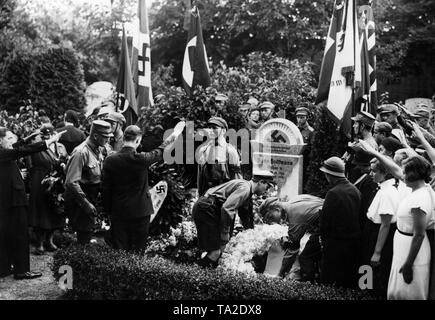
point(218, 160)
point(244, 110)
point(83, 178)
point(389, 113)
point(267, 110)
point(357, 163)
point(301, 214)
point(221, 100)
point(117, 121)
point(214, 213)
point(303, 125)
point(422, 116)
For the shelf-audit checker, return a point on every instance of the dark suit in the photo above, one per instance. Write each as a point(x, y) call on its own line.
point(14, 240)
point(126, 197)
point(71, 138)
point(340, 232)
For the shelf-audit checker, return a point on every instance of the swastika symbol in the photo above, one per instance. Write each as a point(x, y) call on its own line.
point(143, 59)
point(277, 137)
point(161, 189)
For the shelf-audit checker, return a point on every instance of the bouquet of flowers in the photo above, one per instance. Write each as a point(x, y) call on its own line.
point(54, 186)
point(242, 248)
point(180, 244)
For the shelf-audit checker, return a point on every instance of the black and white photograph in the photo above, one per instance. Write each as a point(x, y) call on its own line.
point(217, 156)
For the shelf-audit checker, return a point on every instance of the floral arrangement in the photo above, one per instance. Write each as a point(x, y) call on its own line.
point(242, 248)
point(54, 186)
point(180, 244)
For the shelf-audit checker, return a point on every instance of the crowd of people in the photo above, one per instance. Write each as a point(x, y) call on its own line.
point(378, 212)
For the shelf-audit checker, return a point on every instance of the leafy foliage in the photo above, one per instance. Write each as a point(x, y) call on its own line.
point(103, 273)
point(51, 79)
point(327, 142)
point(56, 81)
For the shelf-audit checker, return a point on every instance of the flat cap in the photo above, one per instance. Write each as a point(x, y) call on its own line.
point(388, 108)
point(365, 117)
point(102, 128)
point(116, 117)
point(391, 144)
point(302, 111)
point(266, 105)
point(219, 122)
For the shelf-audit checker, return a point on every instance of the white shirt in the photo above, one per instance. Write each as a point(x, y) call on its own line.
point(385, 202)
point(423, 199)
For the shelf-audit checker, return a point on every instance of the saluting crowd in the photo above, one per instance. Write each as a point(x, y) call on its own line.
point(379, 209)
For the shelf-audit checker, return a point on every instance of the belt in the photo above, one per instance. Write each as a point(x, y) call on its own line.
point(405, 233)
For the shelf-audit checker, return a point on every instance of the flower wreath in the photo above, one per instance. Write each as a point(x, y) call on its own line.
point(241, 249)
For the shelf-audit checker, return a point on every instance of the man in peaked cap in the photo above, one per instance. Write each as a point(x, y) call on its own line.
point(218, 160)
point(304, 127)
point(267, 109)
point(117, 121)
point(214, 212)
point(339, 227)
point(390, 113)
point(422, 117)
point(83, 178)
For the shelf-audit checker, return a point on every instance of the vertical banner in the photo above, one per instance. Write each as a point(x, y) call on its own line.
point(126, 97)
point(141, 58)
point(195, 63)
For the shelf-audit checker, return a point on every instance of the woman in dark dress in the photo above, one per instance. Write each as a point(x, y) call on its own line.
point(43, 214)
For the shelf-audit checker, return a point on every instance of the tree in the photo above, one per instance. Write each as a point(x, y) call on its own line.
point(57, 81)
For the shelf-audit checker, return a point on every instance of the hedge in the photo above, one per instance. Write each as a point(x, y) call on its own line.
point(100, 272)
point(52, 79)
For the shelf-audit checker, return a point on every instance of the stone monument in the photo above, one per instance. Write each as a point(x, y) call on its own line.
point(278, 147)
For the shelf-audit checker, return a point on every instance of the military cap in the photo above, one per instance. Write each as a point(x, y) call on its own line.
point(116, 117)
point(219, 122)
point(221, 97)
point(302, 111)
point(101, 128)
point(388, 108)
point(333, 166)
point(262, 174)
point(246, 105)
point(104, 111)
point(266, 105)
point(422, 113)
point(365, 117)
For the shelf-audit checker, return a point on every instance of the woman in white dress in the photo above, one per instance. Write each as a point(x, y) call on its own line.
point(409, 276)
